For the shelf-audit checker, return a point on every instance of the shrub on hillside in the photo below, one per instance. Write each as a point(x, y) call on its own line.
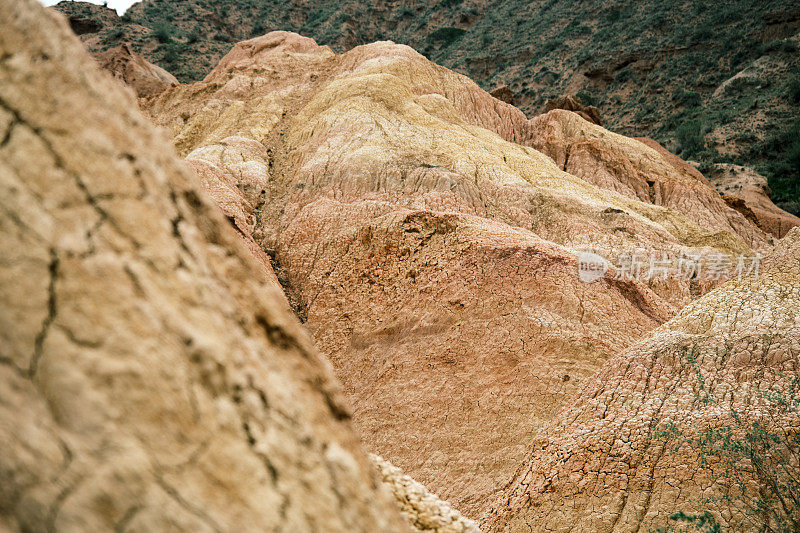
point(586, 98)
point(750, 457)
point(691, 138)
point(172, 52)
point(687, 99)
point(780, 45)
point(616, 14)
point(163, 32)
point(781, 154)
point(446, 36)
point(794, 90)
point(258, 28)
point(116, 33)
point(702, 33)
point(405, 12)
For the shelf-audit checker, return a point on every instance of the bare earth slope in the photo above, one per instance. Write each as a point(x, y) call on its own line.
point(431, 253)
point(152, 376)
point(602, 464)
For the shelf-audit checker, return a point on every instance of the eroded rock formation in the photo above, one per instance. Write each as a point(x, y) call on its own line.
point(574, 104)
point(152, 375)
point(644, 171)
point(618, 457)
point(431, 253)
point(426, 232)
point(747, 191)
point(142, 76)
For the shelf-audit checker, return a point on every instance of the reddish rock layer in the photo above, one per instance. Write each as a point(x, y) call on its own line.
point(503, 93)
point(574, 104)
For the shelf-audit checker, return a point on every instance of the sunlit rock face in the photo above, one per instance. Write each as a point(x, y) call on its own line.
point(153, 377)
point(431, 247)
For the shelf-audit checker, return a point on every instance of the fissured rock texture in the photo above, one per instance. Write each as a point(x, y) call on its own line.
point(747, 191)
point(142, 76)
point(432, 254)
point(152, 375)
point(605, 464)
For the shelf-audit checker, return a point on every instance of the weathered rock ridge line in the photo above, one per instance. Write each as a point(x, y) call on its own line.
point(748, 192)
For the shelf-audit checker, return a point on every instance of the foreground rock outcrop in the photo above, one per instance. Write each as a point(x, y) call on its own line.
point(430, 250)
point(625, 454)
point(153, 377)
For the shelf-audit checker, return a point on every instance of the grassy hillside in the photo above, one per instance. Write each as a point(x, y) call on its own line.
point(714, 82)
